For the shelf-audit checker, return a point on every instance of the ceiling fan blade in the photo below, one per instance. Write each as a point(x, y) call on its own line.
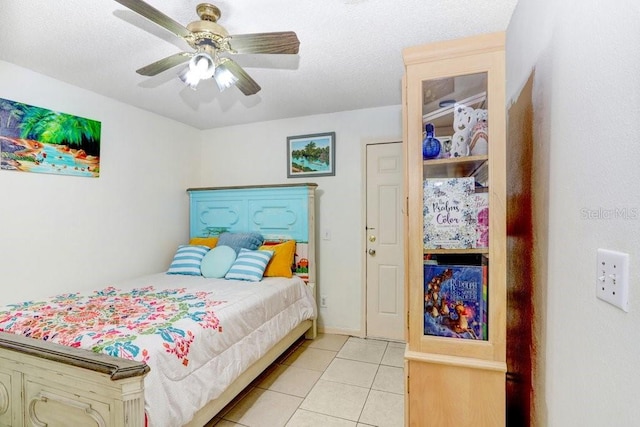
point(154, 15)
point(279, 42)
point(239, 77)
point(164, 64)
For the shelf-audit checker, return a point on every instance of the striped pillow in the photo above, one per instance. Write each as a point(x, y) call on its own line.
point(249, 265)
point(187, 260)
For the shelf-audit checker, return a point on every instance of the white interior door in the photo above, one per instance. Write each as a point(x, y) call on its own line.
point(385, 316)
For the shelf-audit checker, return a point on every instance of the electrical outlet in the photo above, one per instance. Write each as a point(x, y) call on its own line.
point(323, 301)
point(612, 279)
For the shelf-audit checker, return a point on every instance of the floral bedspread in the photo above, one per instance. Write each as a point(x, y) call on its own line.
point(118, 323)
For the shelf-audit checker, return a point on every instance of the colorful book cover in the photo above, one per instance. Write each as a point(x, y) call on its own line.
point(455, 301)
point(450, 213)
point(485, 299)
point(482, 220)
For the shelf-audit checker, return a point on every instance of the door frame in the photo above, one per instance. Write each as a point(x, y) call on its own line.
point(363, 233)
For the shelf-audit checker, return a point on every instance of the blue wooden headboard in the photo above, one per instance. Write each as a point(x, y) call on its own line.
point(278, 212)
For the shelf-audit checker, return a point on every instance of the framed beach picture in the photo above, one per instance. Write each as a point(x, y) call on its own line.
point(311, 155)
point(36, 139)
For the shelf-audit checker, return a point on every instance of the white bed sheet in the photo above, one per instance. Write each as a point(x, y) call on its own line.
point(254, 317)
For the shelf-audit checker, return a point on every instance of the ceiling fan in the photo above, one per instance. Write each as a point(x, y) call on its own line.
point(212, 44)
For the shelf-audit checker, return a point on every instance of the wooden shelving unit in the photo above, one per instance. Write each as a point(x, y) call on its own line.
point(455, 381)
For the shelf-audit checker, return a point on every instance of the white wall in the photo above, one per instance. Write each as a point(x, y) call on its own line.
point(62, 233)
point(586, 94)
point(256, 154)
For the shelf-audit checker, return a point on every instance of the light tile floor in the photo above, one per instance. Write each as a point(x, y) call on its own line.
point(334, 380)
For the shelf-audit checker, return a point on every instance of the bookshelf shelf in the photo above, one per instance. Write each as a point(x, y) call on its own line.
point(454, 167)
point(443, 347)
point(456, 251)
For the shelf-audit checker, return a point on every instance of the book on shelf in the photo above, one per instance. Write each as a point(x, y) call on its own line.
point(482, 219)
point(485, 298)
point(450, 213)
point(455, 301)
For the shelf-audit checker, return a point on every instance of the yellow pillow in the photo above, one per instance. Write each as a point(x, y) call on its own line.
point(204, 241)
point(282, 259)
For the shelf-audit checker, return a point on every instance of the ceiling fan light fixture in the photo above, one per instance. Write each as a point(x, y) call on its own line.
point(201, 67)
point(209, 39)
point(223, 77)
point(189, 78)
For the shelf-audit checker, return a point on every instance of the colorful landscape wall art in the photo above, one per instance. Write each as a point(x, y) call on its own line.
point(311, 155)
point(34, 139)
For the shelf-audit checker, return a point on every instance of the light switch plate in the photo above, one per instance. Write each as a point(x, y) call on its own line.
point(612, 279)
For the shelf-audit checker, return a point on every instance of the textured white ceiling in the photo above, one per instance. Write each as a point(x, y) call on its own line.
point(350, 51)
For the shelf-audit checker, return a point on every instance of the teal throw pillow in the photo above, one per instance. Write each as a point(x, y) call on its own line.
point(217, 262)
point(251, 240)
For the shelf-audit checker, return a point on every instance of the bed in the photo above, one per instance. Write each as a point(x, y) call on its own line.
point(181, 346)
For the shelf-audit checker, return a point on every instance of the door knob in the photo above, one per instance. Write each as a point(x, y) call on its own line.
point(372, 238)
point(372, 251)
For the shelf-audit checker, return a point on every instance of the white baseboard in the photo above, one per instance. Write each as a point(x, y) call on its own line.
point(339, 331)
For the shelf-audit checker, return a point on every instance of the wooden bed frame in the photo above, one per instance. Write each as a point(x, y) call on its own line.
point(42, 381)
